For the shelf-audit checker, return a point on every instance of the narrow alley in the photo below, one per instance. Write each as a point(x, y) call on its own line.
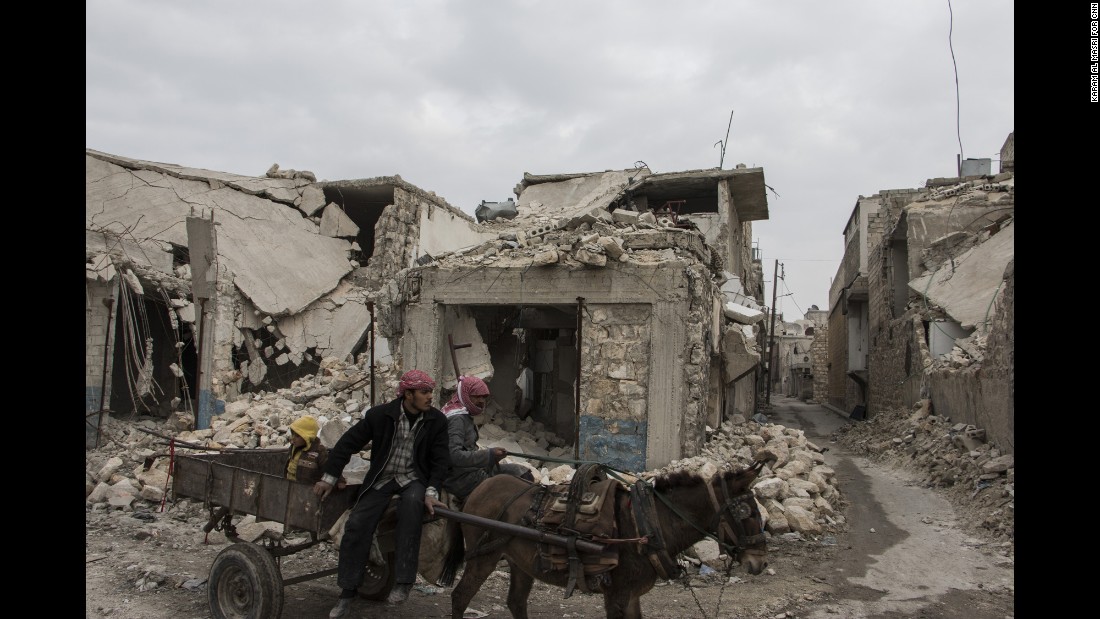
point(897, 529)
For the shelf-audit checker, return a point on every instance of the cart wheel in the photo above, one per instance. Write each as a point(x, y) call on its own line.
point(378, 579)
point(245, 583)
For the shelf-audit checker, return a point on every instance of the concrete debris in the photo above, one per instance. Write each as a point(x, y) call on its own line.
point(966, 352)
point(798, 494)
point(741, 313)
point(275, 172)
point(590, 238)
point(976, 476)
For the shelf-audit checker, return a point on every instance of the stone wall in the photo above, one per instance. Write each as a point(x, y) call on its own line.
point(614, 377)
point(228, 380)
point(983, 394)
point(894, 354)
point(750, 279)
point(896, 359)
point(879, 281)
point(395, 236)
point(819, 354)
point(850, 263)
point(1008, 154)
point(96, 347)
point(837, 365)
point(700, 344)
point(639, 409)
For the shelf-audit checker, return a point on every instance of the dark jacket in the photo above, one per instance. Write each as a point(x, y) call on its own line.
point(378, 427)
point(469, 464)
point(310, 462)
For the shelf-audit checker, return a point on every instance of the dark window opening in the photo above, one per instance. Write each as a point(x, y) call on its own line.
point(268, 352)
point(364, 206)
point(142, 379)
point(181, 255)
point(534, 358)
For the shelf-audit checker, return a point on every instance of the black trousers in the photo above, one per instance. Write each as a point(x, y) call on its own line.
point(362, 522)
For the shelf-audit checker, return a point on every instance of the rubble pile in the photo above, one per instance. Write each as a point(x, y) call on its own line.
point(592, 239)
point(966, 352)
point(978, 477)
point(117, 474)
point(796, 494)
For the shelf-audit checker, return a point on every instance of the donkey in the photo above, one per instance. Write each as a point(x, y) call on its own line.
point(652, 532)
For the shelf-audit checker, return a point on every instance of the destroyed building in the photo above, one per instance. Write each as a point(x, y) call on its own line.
point(922, 307)
point(603, 299)
point(620, 309)
point(204, 285)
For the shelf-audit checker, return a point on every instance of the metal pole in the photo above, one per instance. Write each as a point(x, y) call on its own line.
point(771, 335)
point(370, 306)
point(197, 404)
point(518, 531)
point(577, 386)
point(454, 357)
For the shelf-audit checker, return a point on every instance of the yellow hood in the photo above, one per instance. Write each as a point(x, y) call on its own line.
point(305, 427)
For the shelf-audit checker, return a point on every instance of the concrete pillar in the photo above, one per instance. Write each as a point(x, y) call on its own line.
point(666, 395)
point(421, 348)
point(99, 344)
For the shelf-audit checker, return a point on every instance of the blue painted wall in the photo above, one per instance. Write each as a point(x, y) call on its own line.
point(624, 450)
point(208, 407)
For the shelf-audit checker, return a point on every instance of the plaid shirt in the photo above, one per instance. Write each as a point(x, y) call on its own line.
point(400, 464)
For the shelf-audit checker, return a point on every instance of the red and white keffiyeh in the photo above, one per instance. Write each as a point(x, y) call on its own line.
point(414, 379)
point(462, 402)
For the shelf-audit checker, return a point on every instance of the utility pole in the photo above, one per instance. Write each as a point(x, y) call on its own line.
point(771, 334)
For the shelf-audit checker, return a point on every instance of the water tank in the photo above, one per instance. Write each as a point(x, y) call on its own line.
point(488, 211)
point(976, 167)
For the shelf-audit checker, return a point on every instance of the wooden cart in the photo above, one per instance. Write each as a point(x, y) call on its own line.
point(245, 580)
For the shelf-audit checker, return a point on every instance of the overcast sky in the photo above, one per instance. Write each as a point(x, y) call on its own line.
point(832, 99)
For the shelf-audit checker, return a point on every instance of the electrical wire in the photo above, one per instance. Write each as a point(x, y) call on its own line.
point(792, 297)
point(958, 127)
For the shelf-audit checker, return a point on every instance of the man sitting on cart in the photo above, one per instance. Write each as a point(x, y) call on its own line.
point(409, 458)
point(470, 464)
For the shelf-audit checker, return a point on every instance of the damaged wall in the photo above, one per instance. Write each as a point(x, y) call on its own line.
point(647, 280)
point(981, 391)
point(146, 297)
point(958, 236)
point(273, 263)
point(819, 352)
point(636, 408)
point(98, 312)
point(284, 299)
point(418, 224)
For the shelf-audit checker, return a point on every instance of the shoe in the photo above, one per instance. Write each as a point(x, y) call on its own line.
point(399, 593)
point(343, 605)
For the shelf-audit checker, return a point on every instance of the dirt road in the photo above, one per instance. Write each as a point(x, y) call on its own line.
point(906, 554)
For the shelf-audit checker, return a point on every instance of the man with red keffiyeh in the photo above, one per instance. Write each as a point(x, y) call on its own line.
point(470, 465)
point(408, 458)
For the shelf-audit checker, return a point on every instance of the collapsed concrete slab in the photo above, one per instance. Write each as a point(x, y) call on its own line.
point(965, 286)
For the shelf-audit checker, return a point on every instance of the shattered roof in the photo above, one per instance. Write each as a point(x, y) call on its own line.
point(965, 286)
point(568, 195)
point(277, 258)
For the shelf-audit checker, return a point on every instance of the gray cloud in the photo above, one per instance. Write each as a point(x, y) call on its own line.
point(832, 99)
